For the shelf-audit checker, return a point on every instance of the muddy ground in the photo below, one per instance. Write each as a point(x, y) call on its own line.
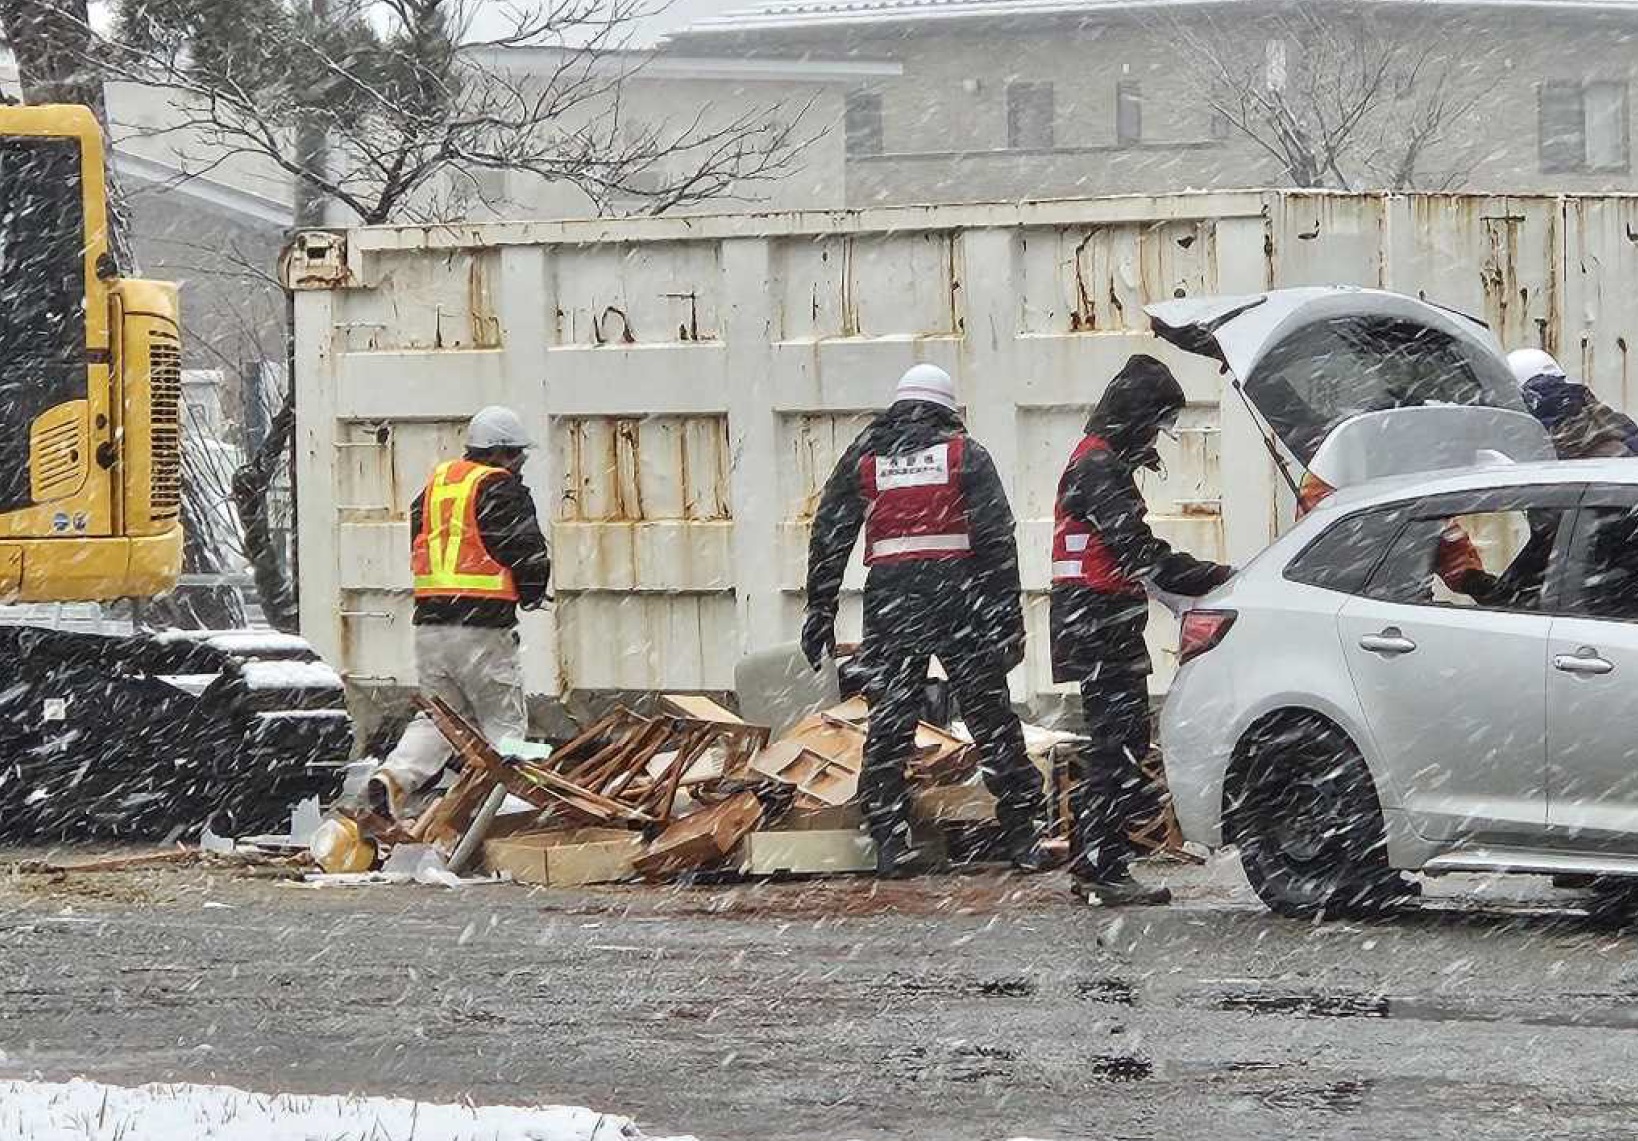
point(980, 1006)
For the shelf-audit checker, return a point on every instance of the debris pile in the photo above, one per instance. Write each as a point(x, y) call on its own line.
point(695, 792)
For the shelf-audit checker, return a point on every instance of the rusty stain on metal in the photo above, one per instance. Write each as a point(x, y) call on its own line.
point(315, 259)
point(1626, 392)
point(627, 456)
point(1083, 318)
point(486, 331)
point(626, 337)
point(689, 330)
point(569, 505)
point(850, 311)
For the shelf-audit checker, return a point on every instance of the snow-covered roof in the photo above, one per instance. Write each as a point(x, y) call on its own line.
point(816, 13)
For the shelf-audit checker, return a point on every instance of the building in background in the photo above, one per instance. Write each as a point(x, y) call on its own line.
point(926, 101)
point(1009, 99)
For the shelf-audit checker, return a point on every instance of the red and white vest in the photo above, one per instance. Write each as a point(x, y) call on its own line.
point(914, 506)
point(1079, 557)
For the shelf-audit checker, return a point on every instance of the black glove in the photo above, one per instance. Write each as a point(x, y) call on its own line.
point(818, 636)
point(1012, 654)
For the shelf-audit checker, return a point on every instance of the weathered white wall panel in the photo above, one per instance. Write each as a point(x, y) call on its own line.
point(693, 381)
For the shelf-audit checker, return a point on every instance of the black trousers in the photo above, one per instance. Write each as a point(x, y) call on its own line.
point(1112, 790)
point(896, 691)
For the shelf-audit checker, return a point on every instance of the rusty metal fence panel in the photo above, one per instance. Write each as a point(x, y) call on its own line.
point(693, 380)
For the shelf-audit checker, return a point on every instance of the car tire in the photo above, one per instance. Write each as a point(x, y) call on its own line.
point(1309, 826)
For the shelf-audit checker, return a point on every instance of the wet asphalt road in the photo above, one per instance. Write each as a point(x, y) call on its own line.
point(964, 1007)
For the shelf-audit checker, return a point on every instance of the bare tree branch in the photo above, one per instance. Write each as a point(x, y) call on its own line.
point(408, 112)
point(1337, 98)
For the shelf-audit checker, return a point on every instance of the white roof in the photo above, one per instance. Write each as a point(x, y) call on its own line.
point(811, 13)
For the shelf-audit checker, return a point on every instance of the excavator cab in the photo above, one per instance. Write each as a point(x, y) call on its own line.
point(138, 733)
point(90, 380)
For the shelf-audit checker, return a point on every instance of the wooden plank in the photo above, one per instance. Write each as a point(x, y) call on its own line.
point(569, 752)
point(702, 838)
point(447, 820)
point(699, 708)
point(566, 857)
point(954, 804)
point(529, 782)
point(825, 818)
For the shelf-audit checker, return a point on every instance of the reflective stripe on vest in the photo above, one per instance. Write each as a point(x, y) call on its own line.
point(449, 559)
point(1079, 557)
point(914, 505)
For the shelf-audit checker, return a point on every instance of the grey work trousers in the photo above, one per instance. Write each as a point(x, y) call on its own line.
point(478, 671)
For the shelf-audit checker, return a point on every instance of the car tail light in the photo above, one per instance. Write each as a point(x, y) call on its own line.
point(1202, 629)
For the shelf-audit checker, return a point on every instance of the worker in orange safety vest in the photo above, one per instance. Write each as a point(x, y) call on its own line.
point(477, 554)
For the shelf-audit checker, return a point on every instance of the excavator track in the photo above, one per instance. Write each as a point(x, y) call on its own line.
point(161, 734)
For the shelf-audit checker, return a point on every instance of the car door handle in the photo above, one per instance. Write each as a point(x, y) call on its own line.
point(1583, 661)
point(1390, 641)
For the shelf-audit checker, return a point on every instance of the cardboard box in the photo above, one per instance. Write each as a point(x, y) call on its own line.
point(953, 804)
point(809, 852)
point(566, 857)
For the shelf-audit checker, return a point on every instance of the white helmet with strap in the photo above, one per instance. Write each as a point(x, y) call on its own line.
point(497, 427)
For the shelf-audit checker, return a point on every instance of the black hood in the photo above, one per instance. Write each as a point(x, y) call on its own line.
point(910, 425)
point(1143, 393)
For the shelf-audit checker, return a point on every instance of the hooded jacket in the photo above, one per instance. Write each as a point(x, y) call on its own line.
point(923, 605)
point(1581, 425)
point(1094, 631)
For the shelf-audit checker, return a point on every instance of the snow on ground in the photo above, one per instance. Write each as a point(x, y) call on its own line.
point(90, 1111)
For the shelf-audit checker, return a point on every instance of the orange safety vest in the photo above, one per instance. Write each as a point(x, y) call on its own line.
point(448, 558)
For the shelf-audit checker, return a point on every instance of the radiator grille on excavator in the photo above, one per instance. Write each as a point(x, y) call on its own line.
point(165, 360)
point(59, 453)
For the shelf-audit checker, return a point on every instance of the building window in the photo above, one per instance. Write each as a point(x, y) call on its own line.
point(1029, 116)
point(864, 123)
point(1128, 112)
point(1583, 126)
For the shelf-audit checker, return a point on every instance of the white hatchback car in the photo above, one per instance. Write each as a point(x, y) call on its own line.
point(1430, 672)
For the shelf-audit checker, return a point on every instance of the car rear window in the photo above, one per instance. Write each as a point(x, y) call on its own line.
point(1324, 373)
point(1343, 557)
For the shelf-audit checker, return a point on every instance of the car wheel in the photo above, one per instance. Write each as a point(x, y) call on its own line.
point(1309, 826)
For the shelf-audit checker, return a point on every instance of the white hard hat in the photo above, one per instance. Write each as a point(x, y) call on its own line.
point(926, 382)
point(1527, 364)
point(497, 427)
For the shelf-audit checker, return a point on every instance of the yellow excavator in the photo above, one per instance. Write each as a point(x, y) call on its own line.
point(139, 732)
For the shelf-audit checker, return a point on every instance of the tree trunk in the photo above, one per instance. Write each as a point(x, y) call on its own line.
point(251, 485)
point(51, 40)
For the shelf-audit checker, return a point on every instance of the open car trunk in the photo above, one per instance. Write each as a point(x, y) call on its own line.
point(1416, 386)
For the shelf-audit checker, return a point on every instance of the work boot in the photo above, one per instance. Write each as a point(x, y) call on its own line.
point(897, 858)
point(1033, 858)
point(1119, 889)
point(1027, 848)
